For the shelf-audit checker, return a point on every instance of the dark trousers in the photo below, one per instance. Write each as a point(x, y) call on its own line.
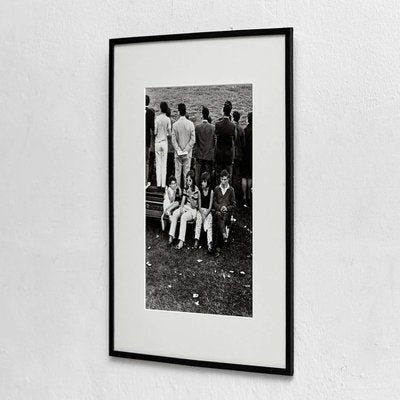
point(152, 158)
point(221, 165)
point(223, 220)
point(200, 167)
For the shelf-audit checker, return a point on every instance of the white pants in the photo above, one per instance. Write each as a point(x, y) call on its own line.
point(189, 214)
point(161, 150)
point(181, 162)
point(207, 225)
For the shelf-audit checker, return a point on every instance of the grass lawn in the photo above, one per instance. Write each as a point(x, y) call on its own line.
point(213, 97)
point(192, 280)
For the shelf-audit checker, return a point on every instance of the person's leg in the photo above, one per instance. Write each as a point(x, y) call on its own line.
point(199, 223)
point(186, 166)
point(178, 169)
point(208, 224)
point(197, 171)
point(147, 163)
point(218, 169)
point(158, 151)
point(244, 190)
point(229, 168)
point(218, 215)
point(164, 163)
point(186, 216)
point(174, 220)
point(151, 166)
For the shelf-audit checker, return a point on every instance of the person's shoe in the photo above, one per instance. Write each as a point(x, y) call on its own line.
point(196, 244)
point(217, 252)
point(170, 240)
point(210, 248)
point(179, 245)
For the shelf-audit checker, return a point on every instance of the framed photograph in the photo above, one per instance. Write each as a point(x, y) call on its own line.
point(201, 199)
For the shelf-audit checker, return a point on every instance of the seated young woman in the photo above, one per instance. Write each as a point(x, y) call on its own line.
point(186, 212)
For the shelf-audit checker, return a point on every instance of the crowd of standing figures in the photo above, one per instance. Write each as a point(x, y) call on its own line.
point(208, 158)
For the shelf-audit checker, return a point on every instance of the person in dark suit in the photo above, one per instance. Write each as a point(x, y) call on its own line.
point(150, 155)
point(247, 161)
point(205, 146)
point(225, 147)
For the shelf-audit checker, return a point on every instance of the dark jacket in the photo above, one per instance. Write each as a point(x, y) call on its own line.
point(225, 133)
point(239, 141)
point(228, 199)
point(205, 141)
point(150, 115)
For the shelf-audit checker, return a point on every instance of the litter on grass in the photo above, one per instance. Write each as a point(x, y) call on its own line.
point(242, 273)
point(199, 260)
point(148, 264)
point(195, 295)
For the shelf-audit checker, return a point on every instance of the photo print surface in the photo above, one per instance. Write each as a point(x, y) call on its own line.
point(198, 199)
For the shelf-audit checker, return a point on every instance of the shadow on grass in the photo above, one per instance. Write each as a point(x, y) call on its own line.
point(191, 280)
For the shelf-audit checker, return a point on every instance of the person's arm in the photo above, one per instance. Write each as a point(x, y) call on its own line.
point(192, 139)
point(217, 205)
point(169, 127)
point(183, 201)
point(173, 139)
point(210, 205)
point(156, 127)
point(232, 201)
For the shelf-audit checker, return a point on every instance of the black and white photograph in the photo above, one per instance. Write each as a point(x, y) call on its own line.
point(201, 204)
point(199, 198)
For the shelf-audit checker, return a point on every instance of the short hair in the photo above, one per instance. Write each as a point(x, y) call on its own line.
point(227, 109)
point(182, 109)
point(147, 100)
point(236, 116)
point(224, 173)
point(171, 179)
point(205, 176)
point(168, 112)
point(163, 107)
point(209, 119)
point(206, 112)
point(250, 117)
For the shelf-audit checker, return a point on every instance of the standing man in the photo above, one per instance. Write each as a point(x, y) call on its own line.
point(183, 140)
point(161, 133)
point(239, 144)
point(205, 146)
point(149, 140)
point(225, 149)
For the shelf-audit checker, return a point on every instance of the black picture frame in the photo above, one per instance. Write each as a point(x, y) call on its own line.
point(288, 34)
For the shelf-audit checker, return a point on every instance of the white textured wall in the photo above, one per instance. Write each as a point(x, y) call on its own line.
point(53, 203)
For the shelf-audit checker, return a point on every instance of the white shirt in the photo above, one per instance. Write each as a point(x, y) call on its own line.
point(224, 190)
point(162, 128)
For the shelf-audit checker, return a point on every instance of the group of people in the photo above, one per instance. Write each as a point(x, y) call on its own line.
point(206, 147)
point(206, 156)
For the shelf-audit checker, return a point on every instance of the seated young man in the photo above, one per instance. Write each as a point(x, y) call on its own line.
point(224, 205)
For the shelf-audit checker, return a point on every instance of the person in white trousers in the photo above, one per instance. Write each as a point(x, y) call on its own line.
point(162, 129)
point(183, 139)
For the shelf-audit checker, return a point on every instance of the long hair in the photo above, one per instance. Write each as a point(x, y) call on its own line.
point(191, 174)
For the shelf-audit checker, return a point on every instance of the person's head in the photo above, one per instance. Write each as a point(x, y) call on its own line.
point(236, 116)
point(205, 180)
point(168, 113)
point(227, 109)
point(205, 112)
point(147, 100)
point(224, 177)
point(164, 107)
point(182, 109)
point(172, 182)
point(190, 179)
point(250, 118)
